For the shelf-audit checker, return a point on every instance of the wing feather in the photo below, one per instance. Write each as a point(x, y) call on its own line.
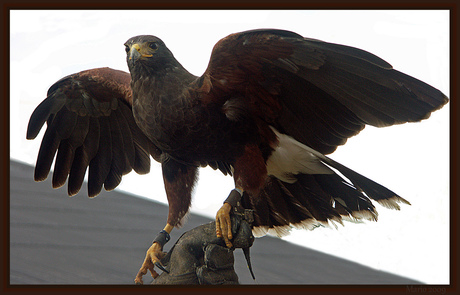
point(66, 151)
point(143, 147)
point(128, 141)
point(99, 166)
point(83, 155)
point(90, 124)
point(317, 92)
point(59, 129)
point(118, 162)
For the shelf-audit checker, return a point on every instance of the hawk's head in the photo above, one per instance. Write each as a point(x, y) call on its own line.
point(147, 52)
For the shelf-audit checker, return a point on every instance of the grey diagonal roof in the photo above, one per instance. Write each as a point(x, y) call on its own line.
point(55, 239)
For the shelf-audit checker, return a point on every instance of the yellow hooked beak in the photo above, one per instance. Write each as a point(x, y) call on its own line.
point(137, 51)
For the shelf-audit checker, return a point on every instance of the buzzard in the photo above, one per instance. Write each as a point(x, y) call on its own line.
point(268, 109)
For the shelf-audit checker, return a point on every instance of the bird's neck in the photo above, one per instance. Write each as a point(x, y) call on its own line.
point(160, 84)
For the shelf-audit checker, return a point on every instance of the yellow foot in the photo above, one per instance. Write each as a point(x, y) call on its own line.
point(224, 224)
point(154, 255)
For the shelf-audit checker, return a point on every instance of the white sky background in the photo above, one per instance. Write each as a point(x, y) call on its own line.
point(411, 159)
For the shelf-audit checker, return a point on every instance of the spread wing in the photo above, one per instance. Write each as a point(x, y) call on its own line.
point(90, 124)
point(317, 92)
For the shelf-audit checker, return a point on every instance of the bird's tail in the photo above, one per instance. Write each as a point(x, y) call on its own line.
point(318, 199)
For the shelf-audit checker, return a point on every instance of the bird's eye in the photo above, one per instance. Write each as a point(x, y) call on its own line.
point(153, 45)
point(127, 48)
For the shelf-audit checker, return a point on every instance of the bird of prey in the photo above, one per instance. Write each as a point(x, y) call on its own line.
point(268, 109)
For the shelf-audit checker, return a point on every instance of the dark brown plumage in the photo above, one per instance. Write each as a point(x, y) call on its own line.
point(268, 101)
point(90, 123)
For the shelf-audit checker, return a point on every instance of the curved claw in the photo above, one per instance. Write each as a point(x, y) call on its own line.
point(158, 264)
point(152, 257)
point(138, 280)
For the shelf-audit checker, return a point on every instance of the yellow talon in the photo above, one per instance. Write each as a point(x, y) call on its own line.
point(224, 224)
